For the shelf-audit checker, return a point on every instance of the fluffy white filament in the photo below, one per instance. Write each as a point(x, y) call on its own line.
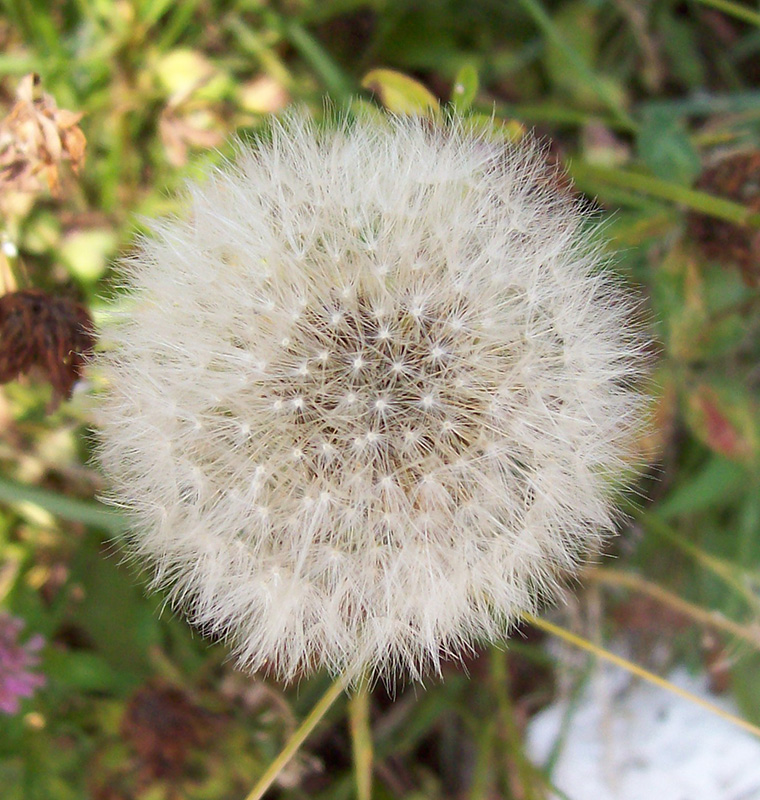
point(365, 398)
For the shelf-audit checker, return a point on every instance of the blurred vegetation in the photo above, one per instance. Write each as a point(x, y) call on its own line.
point(655, 108)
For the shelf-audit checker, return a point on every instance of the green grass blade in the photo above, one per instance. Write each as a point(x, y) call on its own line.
point(736, 10)
point(335, 80)
point(590, 176)
point(539, 15)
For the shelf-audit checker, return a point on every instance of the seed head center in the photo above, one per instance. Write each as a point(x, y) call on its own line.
point(386, 392)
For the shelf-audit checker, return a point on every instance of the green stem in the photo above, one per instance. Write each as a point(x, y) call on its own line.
point(297, 739)
point(655, 187)
point(559, 115)
point(361, 740)
point(253, 43)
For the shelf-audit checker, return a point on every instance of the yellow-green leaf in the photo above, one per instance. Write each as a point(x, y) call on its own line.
point(399, 93)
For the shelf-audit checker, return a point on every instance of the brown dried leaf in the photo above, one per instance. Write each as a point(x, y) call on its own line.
point(35, 138)
point(74, 143)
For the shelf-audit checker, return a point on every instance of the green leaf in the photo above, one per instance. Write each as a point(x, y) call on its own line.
point(714, 486)
point(367, 111)
point(401, 94)
point(82, 670)
point(590, 175)
point(678, 299)
point(573, 39)
point(504, 130)
point(738, 10)
point(664, 146)
point(184, 72)
point(151, 11)
point(575, 42)
point(698, 305)
point(465, 88)
point(86, 253)
point(406, 733)
point(120, 622)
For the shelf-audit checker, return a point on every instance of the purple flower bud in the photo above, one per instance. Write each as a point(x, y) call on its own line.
point(16, 681)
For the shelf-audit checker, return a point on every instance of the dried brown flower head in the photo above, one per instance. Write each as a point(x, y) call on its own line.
point(735, 177)
point(39, 330)
point(162, 725)
point(35, 138)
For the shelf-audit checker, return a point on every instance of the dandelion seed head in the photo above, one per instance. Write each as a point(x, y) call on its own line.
point(395, 381)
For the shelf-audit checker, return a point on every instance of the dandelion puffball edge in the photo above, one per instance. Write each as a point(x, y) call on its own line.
point(366, 398)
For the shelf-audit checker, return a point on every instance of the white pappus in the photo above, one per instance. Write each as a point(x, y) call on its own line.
point(366, 397)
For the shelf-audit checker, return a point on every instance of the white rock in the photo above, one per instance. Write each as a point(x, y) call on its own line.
point(634, 741)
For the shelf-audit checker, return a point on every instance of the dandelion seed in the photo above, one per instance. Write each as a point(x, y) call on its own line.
point(441, 464)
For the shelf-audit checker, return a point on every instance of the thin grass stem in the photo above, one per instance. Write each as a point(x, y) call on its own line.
point(727, 572)
point(639, 672)
point(334, 79)
point(87, 512)
point(525, 771)
point(703, 616)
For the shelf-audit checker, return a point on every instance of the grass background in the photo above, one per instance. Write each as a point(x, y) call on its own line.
point(643, 101)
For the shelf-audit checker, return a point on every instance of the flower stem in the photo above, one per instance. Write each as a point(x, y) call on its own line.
point(361, 739)
point(297, 739)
